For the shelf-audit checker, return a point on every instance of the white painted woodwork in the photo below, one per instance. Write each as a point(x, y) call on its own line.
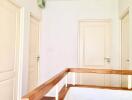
point(95, 50)
point(33, 53)
point(125, 48)
point(9, 49)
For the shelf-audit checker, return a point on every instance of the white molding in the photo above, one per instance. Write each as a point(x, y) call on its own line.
point(35, 17)
point(39, 21)
point(21, 39)
point(16, 3)
point(22, 11)
point(124, 13)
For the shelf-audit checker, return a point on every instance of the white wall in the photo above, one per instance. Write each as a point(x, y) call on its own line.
point(28, 6)
point(59, 38)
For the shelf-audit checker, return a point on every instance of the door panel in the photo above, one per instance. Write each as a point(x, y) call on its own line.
point(125, 49)
point(94, 45)
point(95, 50)
point(9, 49)
point(7, 90)
point(33, 53)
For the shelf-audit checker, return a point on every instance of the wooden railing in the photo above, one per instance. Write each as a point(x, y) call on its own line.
point(40, 92)
point(101, 71)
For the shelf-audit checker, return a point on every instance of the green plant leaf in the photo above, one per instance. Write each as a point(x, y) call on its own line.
point(41, 3)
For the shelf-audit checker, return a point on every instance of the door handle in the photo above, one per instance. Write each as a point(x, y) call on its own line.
point(108, 59)
point(38, 58)
point(127, 60)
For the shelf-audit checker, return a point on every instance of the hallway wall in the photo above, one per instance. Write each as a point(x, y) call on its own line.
point(59, 38)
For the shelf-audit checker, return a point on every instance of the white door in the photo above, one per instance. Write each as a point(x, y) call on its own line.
point(95, 50)
point(125, 48)
point(9, 49)
point(33, 53)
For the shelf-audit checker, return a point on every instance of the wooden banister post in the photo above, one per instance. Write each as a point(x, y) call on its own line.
point(57, 92)
point(129, 82)
point(66, 80)
point(74, 78)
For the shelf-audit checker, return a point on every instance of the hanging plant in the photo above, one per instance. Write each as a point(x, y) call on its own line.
point(41, 3)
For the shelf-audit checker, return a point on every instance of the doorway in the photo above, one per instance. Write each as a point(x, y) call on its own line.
point(33, 53)
point(9, 50)
point(95, 50)
point(125, 48)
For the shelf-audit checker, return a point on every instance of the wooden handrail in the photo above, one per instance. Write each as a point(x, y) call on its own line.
point(42, 90)
point(99, 87)
point(63, 92)
point(39, 92)
point(100, 71)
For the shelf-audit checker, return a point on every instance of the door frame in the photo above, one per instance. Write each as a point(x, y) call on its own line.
point(77, 76)
point(39, 20)
point(21, 48)
point(123, 14)
point(79, 38)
